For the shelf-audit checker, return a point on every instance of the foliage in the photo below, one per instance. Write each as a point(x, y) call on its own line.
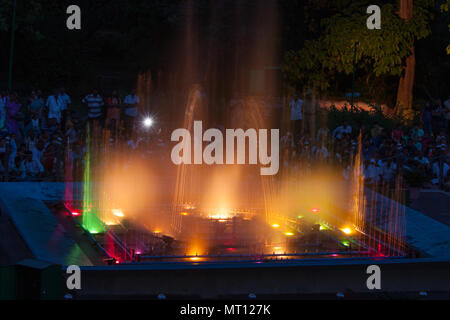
point(357, 118)
point(136, 35)
point(47, 54)
point(380, 52)
point(31, 13)
point(444, 8)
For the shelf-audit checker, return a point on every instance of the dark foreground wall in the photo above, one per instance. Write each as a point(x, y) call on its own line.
point(226, 281)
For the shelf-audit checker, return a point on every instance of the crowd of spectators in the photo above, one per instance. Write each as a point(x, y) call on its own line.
point(384, 153)
point(35, 132)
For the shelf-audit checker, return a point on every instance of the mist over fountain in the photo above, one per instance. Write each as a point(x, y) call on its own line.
point(148, 207)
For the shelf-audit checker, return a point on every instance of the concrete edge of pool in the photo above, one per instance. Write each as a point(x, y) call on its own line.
point(48, 241)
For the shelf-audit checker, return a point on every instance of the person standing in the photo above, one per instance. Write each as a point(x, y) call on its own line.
point(311, 106)
point(54, 109)
point(345, 129)
point(36, 104)
point(296, 115)
point(131, 103)
point(12, 114)
point(322, 135)
point(94, 103)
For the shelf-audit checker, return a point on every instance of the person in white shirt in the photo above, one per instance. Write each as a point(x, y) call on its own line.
point(287, 141)
point(421, 159)
point(322, 153)
point(371, 171)
point(437, 172)
point(54, 107)
point(31, 166)
point(322, 135)
point(131, 103)
point(341, 130)
point(346, 172)
point(296, 115)
point(71, 133)
point(389, 170)
point(381, 167)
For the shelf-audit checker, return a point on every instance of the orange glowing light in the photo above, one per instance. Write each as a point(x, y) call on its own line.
point(315, 210)
point(189, 207)
point(347, 230)
point(195, 259)
point(289, 234)
point(184, 214)
point(221, 214)
point(118, 213)
point(275, 225)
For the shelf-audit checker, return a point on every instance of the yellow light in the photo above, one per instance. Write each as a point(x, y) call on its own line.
point(184, 214)
point(289, 234)
point(118, 213)
point(275, 225)
point(189, 207)
point(195, 259)
point(278, 250)
point(111, 223)
point(347, 230)
point(157, 231)
point(221, 214)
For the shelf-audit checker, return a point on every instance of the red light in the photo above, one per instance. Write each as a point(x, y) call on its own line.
point(76, 214)
point(231, 249)
point(315, 210)
point(117, 261)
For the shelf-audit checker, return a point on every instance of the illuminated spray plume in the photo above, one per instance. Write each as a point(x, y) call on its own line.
point(357, 197)
point(215, 153)
point(91, 221)
point(202, 209)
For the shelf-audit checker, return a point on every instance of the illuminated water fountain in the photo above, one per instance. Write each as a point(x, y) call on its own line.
point(138, 209)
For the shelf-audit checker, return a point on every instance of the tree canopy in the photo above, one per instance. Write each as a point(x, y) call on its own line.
point(315, 40)
point(380, 52)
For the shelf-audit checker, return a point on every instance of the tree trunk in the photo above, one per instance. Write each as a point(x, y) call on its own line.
point(406, 85)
